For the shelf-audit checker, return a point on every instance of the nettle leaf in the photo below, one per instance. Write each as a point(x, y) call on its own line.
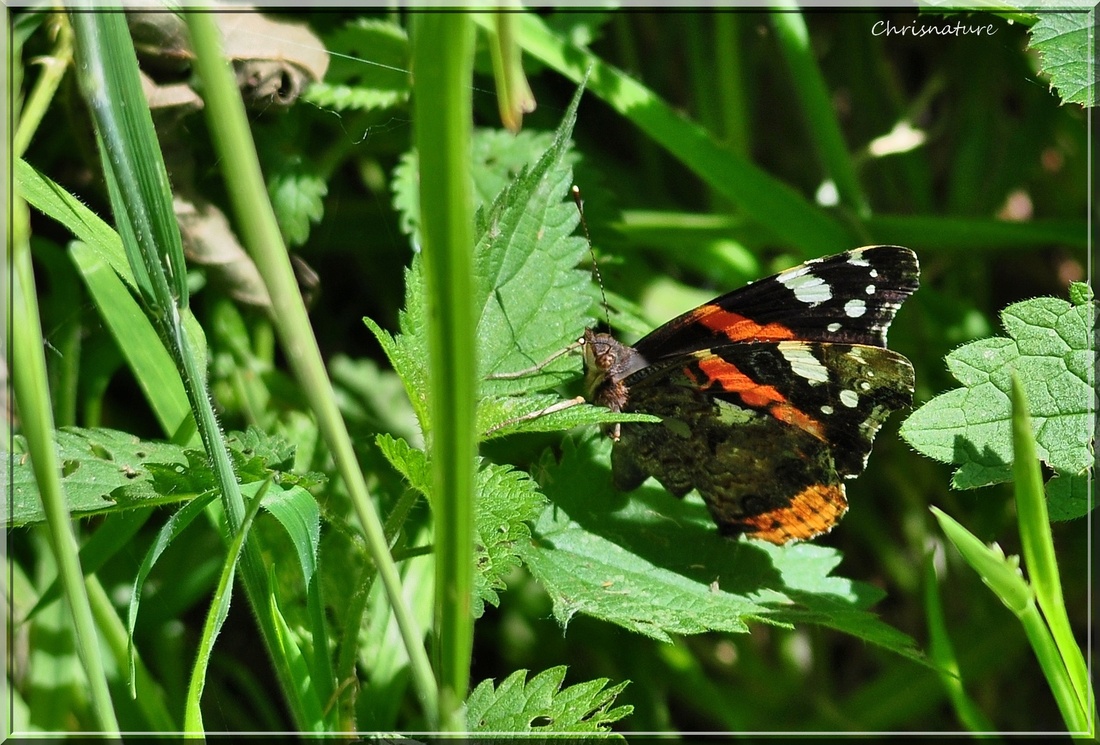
point(542, 705)
point(368, 68)
point(656, 565)
point(533, 300)
point(498, 157)
point(408, 350)
point(507, 500)
point(1065, 45)
point(1049, 346)
point(104, 470)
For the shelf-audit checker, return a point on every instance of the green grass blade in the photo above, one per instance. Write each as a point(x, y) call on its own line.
point(31, 390)
point(1002, 575)
point(942, 652)
point(138, 342)
point(175, 525)
point(733, 107)
point(134, 169)
point(150, 698)
point(1038, 549)
point(810, 89)
point(38, 102)
point(219, 610)
point(1046, 651)
point(114, 533)
point(443, 122)
point(298, 513)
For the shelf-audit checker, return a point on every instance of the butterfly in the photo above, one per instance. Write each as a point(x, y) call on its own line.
point(770, 396)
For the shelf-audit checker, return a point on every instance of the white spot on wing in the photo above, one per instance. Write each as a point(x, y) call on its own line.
point(826, 409)
point(833, 327)
point(849, 399)
point(806, 286)
point(803, 362)
point(855, 308)
point(870, 289)
point(856, 259)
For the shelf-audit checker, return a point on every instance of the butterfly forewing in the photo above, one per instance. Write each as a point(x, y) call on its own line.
point(848, 298)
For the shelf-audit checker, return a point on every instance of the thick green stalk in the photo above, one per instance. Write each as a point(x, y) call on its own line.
point(442, 121)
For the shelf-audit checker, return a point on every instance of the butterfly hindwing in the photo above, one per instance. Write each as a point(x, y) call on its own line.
point(766, 431)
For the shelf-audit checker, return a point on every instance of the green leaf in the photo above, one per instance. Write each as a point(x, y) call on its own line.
point(103, 243)
point(55, 202)
point(412, 463)
point(542, 705)
point(506, 414)
point(368, 68)
point(215, 618)
point(1050, 347)
point(657, 565)
point(1069, 497)
point(506, 500)
point(534, 302)
point(297, 196)
point(135, 337)
point(104, 470)
point(1066, 46)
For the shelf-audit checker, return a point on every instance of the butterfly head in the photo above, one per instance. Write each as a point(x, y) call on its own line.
point(607, 363)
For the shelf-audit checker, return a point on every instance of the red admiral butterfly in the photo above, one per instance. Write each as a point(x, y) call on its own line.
point(770, 396)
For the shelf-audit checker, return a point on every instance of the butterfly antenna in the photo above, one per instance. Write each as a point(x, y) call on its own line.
point(576, 192)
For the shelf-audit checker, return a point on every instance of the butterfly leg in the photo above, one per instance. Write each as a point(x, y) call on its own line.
point(535, 368)
point(559, 406)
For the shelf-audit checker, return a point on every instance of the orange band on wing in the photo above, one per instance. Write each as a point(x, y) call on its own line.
point(813, 511)
point(729, 378)
point(726, 376)
point(737, 327)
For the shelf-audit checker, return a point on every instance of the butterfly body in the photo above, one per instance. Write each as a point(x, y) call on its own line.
point(770, 396)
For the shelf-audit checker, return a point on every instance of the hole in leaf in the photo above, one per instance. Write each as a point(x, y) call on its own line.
point(68, 468)
point(101, 452)
point(542, 721)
